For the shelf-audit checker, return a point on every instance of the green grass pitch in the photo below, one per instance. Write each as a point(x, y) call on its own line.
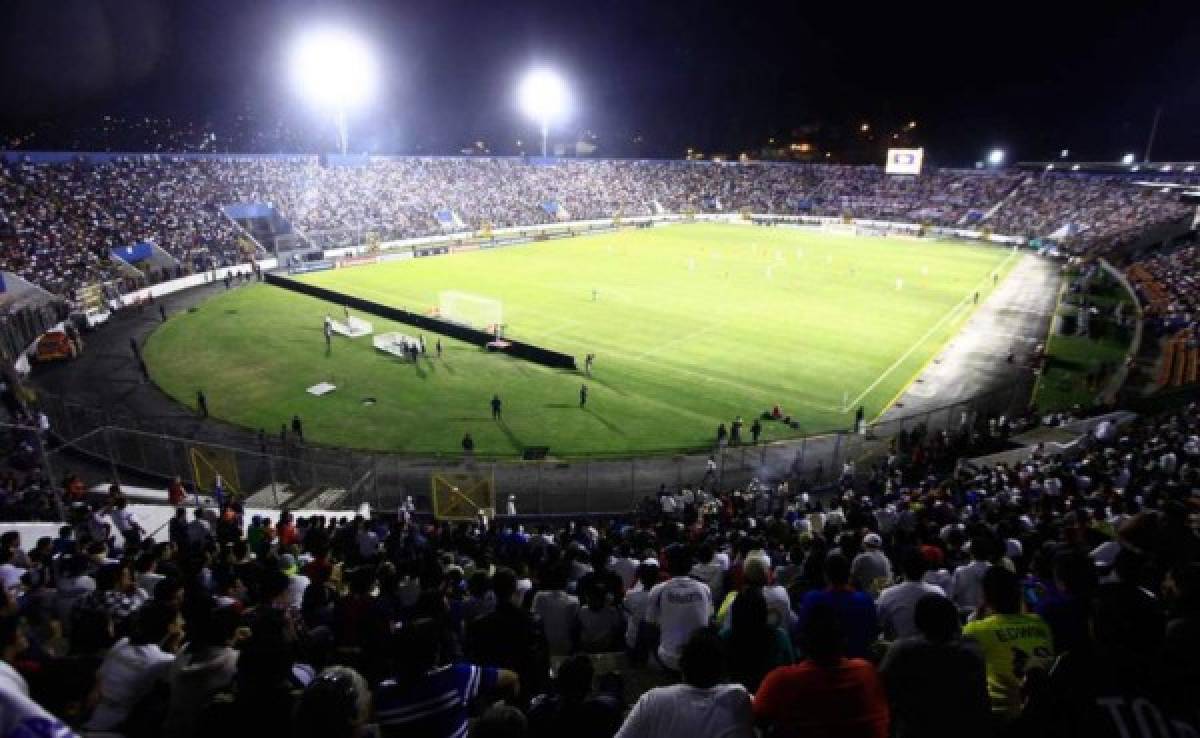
point(692, 325)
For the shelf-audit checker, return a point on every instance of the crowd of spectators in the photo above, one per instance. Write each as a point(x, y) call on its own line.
point(1085, 211)
point(60, 221)
point(1051, 595)
point(1168, 286)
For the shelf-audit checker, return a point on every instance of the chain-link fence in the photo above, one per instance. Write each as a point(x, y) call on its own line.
point(272, 472)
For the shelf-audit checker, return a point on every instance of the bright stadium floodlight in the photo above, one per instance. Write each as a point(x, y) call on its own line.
point(996, 157)
point(1128, 159)
point(334, 70)
point(543, 97)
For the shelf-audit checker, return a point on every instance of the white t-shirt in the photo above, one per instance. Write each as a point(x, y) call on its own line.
point(123, 519)
point(557, 609)
point(635, 613)
point(682, 711)
point(21, 716)
point(10, 577)
point(297, 584)
point(13, 678)
point(966, 589)
point(128, 674)
point(711, 574)
point(897, 605)
point(626, 568)
point(679, 607)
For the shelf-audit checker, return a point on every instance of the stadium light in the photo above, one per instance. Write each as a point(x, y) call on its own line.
point(1064, 153)
point(1128, 159)
point(996, 157)
point(335, 71)
point(543, 97)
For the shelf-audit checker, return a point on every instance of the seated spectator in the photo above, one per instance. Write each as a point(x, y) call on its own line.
point(573, 709)
point(641, 636)
point(701, 705)
point(337, 704)
point(206, 665)
point(897, 604)
point(870, 571)
point(428, 697)
point(827, 693)
point(557, 611)
point(599, 624)
point(754, 646)
point(1065, 608)
point(966, 588)
point(936, 680)
point(508, 637)
point(679, 607)
point(136, 665)
point(855, 611)
point(1013, 643)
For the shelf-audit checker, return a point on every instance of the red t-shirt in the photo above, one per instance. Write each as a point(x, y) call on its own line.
point(843, 701)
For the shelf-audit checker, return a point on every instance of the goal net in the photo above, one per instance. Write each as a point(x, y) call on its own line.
point(477, 311)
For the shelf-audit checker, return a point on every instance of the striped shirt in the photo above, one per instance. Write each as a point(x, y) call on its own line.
point(434, 706)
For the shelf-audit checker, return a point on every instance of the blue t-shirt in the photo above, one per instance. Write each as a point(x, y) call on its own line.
point(855, 611)
point(434, 706)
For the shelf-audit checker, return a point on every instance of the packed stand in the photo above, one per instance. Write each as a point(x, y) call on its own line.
point(60, 221)
point(1097, 211)
point(1053, 596)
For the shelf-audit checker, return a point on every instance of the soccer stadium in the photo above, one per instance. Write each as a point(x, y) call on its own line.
point(337, 410)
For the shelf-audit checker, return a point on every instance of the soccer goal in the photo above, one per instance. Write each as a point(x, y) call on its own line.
point(477, 311)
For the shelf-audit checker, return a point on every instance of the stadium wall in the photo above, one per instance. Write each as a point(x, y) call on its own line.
point(519, 349)
point(184, 283)
point(521, 234)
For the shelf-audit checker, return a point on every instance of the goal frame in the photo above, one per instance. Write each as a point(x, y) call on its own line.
point(481, 312)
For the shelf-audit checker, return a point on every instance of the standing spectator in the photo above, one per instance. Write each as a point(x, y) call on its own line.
point(936, 680)
point(126, 525)
point(701, 706)
point(827, 693)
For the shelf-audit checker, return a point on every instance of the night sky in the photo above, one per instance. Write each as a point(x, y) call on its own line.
point(719, 76)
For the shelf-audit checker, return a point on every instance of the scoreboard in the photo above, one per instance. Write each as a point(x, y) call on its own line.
point(904, 161)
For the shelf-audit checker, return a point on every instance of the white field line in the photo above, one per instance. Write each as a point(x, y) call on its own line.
point(952, 312)
point(679, 339)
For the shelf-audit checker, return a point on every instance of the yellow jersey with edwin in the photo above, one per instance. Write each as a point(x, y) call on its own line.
point(1012, 645)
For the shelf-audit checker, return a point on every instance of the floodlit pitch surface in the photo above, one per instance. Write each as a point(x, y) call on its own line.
point(691, 325)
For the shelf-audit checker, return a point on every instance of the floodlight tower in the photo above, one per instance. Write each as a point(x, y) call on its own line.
point(543, 97)
point(336, 72)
